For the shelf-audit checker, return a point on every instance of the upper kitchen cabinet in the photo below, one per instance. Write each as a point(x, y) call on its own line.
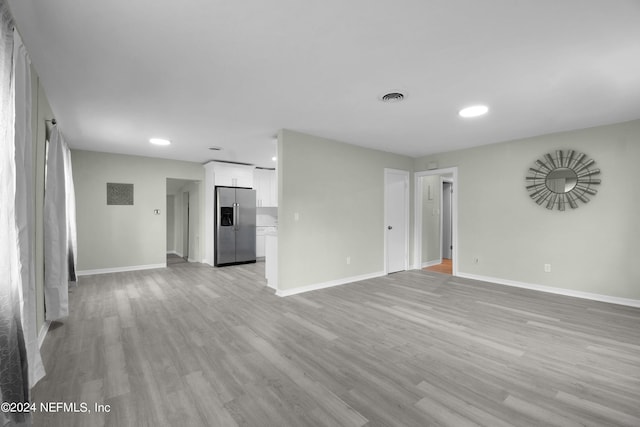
point(265, 182)
point(232, 175)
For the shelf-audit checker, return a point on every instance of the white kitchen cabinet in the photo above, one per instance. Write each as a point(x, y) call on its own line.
point(260, 246)
point(261, 232)
point(233, 175)
point(266, 186)
point(260, 239)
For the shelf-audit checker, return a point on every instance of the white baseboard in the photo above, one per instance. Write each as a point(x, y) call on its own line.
point(172, 253)
point(559, 291)
point(432, 263)
point(329, 284)
point(121, 269)
point(43, 332)
point(192, 260)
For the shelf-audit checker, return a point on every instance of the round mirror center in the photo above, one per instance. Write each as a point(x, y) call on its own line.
point(561, 180)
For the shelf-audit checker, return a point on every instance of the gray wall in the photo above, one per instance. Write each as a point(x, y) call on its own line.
point(338, 191)
point(592, 249)
point(123, 236)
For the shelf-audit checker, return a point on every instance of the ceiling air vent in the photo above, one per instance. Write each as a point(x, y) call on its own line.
point(215, 148)
point(392, 97)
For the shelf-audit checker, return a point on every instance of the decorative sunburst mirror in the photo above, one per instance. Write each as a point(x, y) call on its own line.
point(566, 178)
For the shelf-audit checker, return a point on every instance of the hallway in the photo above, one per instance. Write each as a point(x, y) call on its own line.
point(446, 267)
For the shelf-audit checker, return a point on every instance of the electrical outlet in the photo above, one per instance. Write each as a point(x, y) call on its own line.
point(348, 260)
point(296, 216)
point(547, 268)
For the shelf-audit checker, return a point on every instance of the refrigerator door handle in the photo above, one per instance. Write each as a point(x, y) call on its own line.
point(236, 216)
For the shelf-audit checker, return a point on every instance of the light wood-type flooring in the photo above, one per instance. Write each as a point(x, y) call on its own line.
point(192, 345)
point(446, 267)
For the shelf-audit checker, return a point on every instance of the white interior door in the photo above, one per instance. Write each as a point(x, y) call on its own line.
point(396, 219)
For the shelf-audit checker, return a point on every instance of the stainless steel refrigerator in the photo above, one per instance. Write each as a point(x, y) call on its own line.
point(235, 230)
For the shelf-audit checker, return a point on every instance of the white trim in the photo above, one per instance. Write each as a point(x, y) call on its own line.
point(431, 263)
point(172, 253)
point(441, 215)
point(417, 224)
point(407, 198)
point(417, 228)
point(43, 332)
point(329, 284)
point(191, 260)
point(120, 269)
point(559, 291)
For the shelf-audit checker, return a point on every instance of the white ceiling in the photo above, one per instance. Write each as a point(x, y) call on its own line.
point(232, 73)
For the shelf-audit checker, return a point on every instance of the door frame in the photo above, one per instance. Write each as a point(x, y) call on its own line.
point(417, 261)
point(407, 208)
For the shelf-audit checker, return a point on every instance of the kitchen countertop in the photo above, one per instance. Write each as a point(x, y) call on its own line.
point(267, 230)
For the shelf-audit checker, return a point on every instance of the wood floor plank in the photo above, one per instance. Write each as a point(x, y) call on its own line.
point(331, 403)
point(311, 326)
point(198, 346)
point(545, 416)
point(212, 411)
point(599, 411)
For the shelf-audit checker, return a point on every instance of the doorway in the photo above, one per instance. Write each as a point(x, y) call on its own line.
point(183, 220)
point(436, 221)
point(447, 223)
point(185, 225)
point(396, 220)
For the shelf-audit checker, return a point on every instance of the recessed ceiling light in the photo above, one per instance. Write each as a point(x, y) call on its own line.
point(159, 141)
point(474, 111)
point(274, 158)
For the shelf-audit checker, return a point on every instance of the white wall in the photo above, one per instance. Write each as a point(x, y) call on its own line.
point(592, 249)
point(337, 190)
point(114, 237)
